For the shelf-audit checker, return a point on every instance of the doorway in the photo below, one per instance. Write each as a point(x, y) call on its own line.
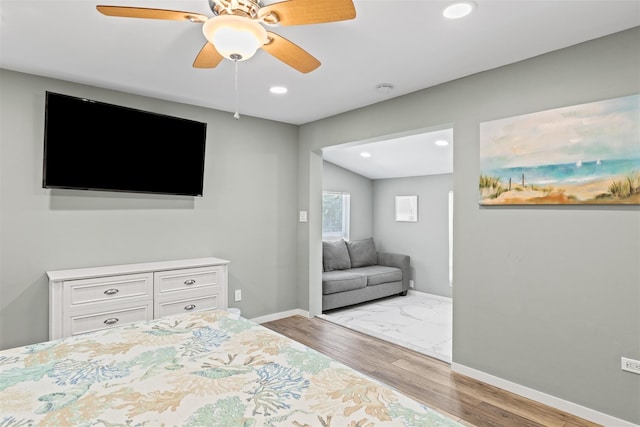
point(374, 172)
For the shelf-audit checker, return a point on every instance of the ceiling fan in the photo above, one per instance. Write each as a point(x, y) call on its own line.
point(235, 30)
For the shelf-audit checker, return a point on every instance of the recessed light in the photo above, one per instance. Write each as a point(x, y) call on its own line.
point(459, 9)
point(365, 154)
point(278, 90)
point(441, 143)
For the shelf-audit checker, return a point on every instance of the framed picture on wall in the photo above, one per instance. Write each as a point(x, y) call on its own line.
point(407, 208)
point(576, 155)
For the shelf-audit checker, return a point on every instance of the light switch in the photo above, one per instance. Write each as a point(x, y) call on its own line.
point(303, 216)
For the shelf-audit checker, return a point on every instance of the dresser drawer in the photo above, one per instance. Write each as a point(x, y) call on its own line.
point(107, 319)
point(192, 278)
point(113, 288)
point(192, 304)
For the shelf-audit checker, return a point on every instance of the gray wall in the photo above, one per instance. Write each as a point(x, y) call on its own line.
point(248, 214)
point(426, 241)
point(336, 178)
point(545, 297)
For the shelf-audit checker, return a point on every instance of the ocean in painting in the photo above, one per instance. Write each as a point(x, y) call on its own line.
point(566, 173)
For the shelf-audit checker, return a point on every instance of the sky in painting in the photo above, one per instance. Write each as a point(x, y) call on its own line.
point(600, 130)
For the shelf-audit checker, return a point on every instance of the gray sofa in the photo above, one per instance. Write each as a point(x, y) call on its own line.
point(354, 272)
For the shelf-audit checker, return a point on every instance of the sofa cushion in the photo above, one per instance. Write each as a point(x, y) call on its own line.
point(340, 281)
point(335, 256)
point(362, 252)
point(379, 274)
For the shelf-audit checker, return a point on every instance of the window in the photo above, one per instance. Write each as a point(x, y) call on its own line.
point(335, 215)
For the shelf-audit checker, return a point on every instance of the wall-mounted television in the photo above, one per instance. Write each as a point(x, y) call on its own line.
point(91, 145)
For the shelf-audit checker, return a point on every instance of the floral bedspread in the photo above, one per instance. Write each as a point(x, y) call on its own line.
point(201, 369)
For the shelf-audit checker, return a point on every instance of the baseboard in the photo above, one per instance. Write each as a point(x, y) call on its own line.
point(555, 402)
point(428, 295)
point(281, 315)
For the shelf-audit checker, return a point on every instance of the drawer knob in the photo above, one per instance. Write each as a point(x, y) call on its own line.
point(189, 307)
point(111, 291)
point(111, 321)
point(189, 282)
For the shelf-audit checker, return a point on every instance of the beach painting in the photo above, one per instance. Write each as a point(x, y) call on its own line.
point(583, 154)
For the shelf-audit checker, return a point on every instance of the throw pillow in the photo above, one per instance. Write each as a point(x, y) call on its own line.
point(362, 252)
point(335, 256)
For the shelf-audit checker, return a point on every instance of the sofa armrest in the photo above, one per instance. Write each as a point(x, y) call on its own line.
point(400, 261)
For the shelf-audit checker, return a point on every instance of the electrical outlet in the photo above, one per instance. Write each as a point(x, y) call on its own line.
point(630, 365)
point(238, 295)
point(411, 284)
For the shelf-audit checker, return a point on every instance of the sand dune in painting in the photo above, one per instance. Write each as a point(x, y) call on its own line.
point(622, 189)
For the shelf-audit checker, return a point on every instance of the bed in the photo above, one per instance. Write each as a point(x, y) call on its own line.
point(203, 369)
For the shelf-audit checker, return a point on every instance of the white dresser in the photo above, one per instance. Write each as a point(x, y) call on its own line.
point(89, 299)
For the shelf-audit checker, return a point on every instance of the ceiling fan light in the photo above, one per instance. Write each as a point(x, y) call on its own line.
point(234, 37)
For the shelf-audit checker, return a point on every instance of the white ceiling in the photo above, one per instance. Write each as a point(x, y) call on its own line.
point(406, 43)
point(396, 157)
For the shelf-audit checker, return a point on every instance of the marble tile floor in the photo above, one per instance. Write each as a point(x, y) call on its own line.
point(419, 321)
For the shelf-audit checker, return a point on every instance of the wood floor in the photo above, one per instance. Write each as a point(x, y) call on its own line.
point(425, 379)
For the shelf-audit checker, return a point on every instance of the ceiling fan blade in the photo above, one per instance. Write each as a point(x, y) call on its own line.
point(208, 57)
point(290, 53)
point(299, 12)
point(142, 12)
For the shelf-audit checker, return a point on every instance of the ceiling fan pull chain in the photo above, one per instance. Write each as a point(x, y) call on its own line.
point(236, 115)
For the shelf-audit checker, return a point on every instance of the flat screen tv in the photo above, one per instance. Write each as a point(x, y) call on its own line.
point(91, 145)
